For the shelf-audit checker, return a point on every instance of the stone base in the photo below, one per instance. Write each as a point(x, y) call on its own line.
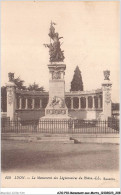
point(56, 113)
point(103, 117)
point(57, 123)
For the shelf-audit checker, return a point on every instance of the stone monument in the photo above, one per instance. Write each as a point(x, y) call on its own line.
point(11, 97)
point(56, 108)
point(106, 89)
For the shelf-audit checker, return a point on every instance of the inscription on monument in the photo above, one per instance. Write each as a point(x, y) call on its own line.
point(55, 111)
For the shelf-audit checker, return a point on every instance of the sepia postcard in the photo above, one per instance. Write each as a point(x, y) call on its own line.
point(60, 102)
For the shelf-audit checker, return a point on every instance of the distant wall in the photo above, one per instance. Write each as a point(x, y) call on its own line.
point(84, 114)
point(30, 114)
point(36, 114)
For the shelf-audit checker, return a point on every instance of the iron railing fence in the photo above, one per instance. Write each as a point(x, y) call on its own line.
point(113, 123)
point(61, 126)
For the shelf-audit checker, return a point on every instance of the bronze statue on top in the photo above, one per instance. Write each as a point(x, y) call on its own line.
point(55, 52)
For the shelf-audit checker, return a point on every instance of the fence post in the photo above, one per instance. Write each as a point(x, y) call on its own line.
point(105, 126)
point(73, 126)
point(17, 124)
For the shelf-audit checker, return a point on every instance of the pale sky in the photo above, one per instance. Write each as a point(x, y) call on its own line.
point(91, 41)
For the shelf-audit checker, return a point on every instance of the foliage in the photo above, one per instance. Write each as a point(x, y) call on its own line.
point(19, 83)
point(115, 106)
point(76, 83)
point(3, 99)
point(35, 87)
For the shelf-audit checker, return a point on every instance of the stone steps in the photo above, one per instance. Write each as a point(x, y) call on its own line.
point(75, 138)
point(58, 141)
point(53, 138)
point(40, 138)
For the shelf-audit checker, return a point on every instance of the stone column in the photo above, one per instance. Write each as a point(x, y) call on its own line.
point(86, 102)
point(11, 97)
point(99, 102)
point(33, 102)
point(26, 103)
point(79, 104)
point(72, 103)
point(93, 102)
point(106, 89)
point(40, 103)
point(20, 103)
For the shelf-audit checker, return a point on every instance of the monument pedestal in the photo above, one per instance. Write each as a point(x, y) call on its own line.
point(56, 112)
point(11, 97)
point(106, 89)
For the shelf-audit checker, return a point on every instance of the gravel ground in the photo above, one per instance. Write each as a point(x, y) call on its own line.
point(32, 156)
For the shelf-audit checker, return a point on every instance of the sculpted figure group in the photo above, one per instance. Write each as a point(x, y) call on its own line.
point(55, 52)
point(57, 101)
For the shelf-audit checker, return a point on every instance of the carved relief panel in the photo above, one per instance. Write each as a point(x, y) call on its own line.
point(56, 75)
point(10, 96)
